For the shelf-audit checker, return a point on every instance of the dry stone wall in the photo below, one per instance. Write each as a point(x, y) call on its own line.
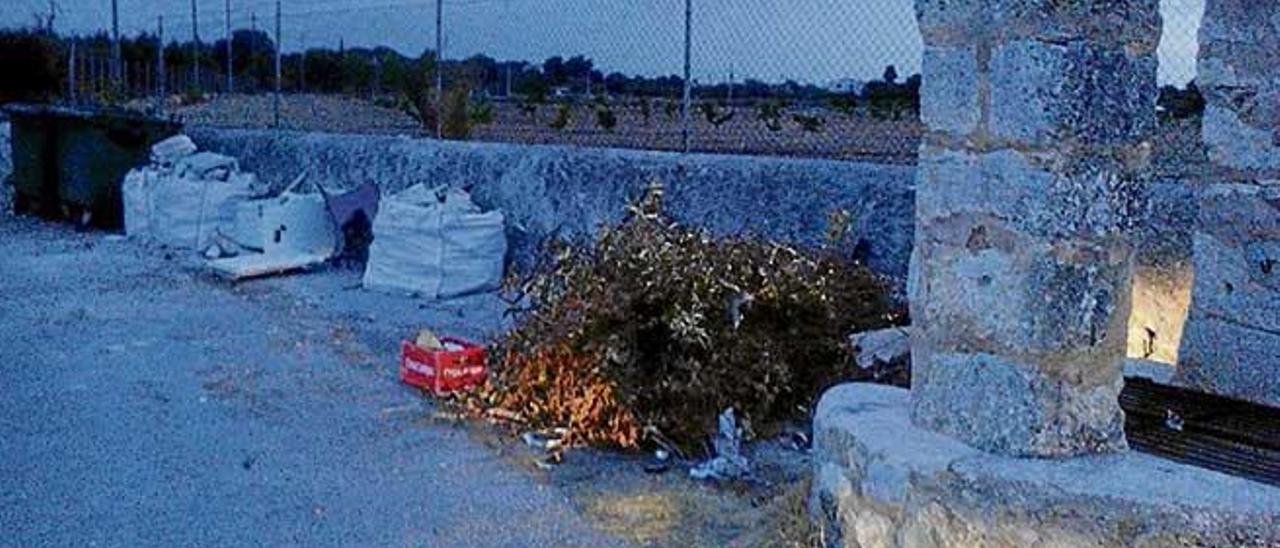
point(1040, 115)
point(1232, 340)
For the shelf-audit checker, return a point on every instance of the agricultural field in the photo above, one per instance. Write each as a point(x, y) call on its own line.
point(858, 136)
point(855, 137)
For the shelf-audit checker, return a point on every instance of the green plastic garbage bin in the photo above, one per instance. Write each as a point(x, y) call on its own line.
point(75, 160)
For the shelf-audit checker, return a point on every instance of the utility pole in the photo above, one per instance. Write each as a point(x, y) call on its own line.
point(230, 78)
point(688, 73)
point(278, 46)
point(439, 69)
point(71, 72)
point(731, 78)
point(302, 65)
point(160, 75)
point(115, 44)
point(195, 47)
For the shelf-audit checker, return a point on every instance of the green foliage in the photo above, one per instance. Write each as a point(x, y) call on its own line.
point(845, 103)
point(889, 101)
point(564, 115)
point(714, 113)
point(671, 108)
point(810, 124)
point(1181, 104)
point(770, 112)
point(665, 327)
point(605, 118)
point(646, 109)
point(481, 113)
point(29, 63)
point(417, 86)
point(457, 115)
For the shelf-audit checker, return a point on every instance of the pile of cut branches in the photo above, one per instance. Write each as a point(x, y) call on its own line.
point(658, 328)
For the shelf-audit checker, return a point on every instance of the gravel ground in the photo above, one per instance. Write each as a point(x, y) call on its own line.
point(149, 404)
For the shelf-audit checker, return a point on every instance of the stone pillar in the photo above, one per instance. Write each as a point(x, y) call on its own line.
point(1039, 115)
point(1231, 345)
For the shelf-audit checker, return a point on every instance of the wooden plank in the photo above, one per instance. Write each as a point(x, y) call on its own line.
point(261, 265)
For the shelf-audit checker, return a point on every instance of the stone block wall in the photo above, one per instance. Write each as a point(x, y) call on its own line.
point(1040, 115)
point(1232, 340)
point(571, 192)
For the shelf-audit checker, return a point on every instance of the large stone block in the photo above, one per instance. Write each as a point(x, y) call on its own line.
point(1237, 255)
point(1239, 72)
point(1120, 23)
point(1062, 306)
point(949, 94)
point(1230, 359)
point(1040, 194)
point(1235, 144)
point(1043, 92)
point(1035, 415)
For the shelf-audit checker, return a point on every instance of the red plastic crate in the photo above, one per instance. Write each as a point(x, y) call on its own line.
point(443, 371)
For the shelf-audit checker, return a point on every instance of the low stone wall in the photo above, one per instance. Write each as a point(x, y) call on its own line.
point(572, 190)
point(548, 190)
point(880, 481)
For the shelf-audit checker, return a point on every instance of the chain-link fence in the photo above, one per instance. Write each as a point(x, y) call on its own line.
point(817, 78)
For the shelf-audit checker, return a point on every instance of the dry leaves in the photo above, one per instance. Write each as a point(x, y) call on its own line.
point(659, 327)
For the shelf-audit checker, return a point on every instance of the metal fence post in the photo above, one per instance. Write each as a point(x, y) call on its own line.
point(195, 47)
point(71, 72)
point(115, 46)
point(160, 73)
point(278, 48)
point(688, 70)
point(439, 69)
point(230, 78)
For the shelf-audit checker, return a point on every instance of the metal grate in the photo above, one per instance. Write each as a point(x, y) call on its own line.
point(1229, 436)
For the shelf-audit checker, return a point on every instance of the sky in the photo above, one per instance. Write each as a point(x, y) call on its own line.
point(812, 41)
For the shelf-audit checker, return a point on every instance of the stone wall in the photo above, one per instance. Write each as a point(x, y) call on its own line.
point(1040, 116)
point(1232, 340)
point(882, 482)
point(571, 191)
point(772, 196)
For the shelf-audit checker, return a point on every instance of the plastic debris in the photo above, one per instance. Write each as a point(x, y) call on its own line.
point(427, 340)
point(728, 462)
point(660, 464)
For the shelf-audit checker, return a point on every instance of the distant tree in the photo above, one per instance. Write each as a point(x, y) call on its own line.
point(605, 118)
point(31, 64)
point(1181, 104)
point(564, 115)
point(714, 113)
point(770, 112)
point(844, 103)
point(554, 71)
point(810, 124)
point(646, 109)
point(891, 74)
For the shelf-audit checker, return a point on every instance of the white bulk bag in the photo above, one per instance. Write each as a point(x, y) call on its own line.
point(136, 195)
point(188, 213)
point(293, 222)
point(435, 243)
point(180, 212)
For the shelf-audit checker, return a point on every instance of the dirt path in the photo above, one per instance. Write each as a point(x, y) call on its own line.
point(147, 405)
